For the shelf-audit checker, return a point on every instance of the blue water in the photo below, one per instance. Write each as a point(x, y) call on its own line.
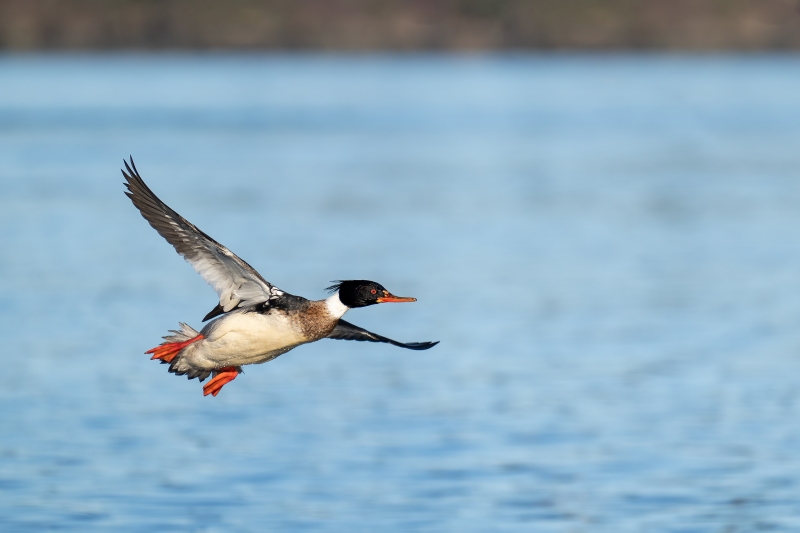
point(607, 247)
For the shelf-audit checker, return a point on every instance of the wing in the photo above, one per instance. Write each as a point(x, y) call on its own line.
point(349, 332)
point(236, 282)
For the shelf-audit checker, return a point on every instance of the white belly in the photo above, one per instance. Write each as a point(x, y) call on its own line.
point(245, 339)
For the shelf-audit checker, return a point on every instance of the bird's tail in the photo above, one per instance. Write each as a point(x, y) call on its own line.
point(168, 352)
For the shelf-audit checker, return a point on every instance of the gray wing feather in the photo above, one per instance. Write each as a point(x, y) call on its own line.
point(237, 283)
point(346, 331)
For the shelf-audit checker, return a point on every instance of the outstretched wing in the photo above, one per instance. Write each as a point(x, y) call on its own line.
point(349, 332)
point(236, 282)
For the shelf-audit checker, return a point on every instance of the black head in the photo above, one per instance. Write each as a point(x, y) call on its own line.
point(361, 293)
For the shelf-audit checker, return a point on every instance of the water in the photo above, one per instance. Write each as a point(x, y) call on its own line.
point(606, 247)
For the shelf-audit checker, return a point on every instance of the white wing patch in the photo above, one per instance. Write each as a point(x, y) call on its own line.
point(236, 282)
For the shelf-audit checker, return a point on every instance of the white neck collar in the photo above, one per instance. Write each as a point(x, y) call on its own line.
point(335, 305)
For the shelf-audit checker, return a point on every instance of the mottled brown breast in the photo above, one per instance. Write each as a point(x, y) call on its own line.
point(316, 321)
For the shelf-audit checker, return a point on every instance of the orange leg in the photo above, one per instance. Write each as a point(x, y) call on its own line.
point(168, 350)
point(224, 376)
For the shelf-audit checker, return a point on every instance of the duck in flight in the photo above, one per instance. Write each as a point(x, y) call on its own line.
point(254, 321)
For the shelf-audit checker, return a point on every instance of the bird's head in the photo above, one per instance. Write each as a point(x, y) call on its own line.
point(361, 293)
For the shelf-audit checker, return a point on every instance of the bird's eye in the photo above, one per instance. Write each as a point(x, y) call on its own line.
point(373, 291)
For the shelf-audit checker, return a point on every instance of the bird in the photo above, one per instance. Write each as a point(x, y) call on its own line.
point(254, 321)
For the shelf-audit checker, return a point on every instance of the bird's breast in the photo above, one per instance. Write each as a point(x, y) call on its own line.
point(316, 320)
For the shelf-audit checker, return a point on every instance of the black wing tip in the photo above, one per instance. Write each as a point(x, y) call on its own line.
point(421, 345)
point(218, 310)
point(132, 172)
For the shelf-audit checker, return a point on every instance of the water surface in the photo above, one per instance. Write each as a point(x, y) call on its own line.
point(607, 248)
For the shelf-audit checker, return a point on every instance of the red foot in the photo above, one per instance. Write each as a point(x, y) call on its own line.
point(168, 350)
point(224, 376)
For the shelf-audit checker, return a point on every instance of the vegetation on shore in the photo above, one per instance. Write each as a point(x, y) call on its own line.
point(400, 24)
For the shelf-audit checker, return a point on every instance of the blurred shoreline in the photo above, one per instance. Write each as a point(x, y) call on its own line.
point(391, 25)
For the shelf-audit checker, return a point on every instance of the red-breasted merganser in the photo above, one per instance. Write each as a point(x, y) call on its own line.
point(254, 321)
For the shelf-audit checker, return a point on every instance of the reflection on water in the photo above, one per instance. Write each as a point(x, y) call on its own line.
point(605, 246)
